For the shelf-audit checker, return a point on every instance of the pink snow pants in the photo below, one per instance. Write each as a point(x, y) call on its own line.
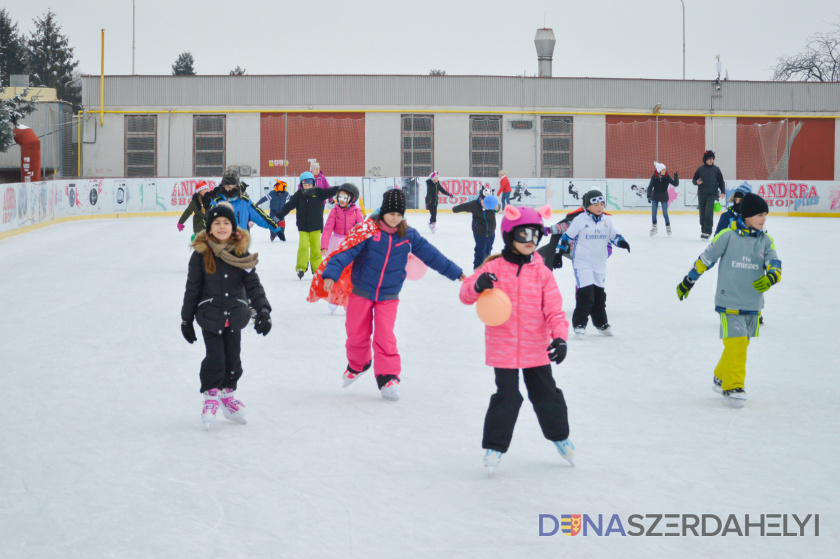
point(365, 317)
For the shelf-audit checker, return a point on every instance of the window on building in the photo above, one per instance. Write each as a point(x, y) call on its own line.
point(485, 145)
point(140, 145)
point(556, 141)
point(418, 140)
point(208, 145)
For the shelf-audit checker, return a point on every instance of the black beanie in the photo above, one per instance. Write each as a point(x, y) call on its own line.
point(709, 153)
point(223, 209)
point(753, 204)
point(393, 201)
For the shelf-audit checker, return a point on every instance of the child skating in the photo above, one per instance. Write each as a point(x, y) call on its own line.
point(220, 281)
point(749, 266)
point(198, 206)
point(378, 250)
point(309, 203)
point(433, 188)
point(483, 212)
point(591, 232)
point(532, 337)
point(657, 193)
point(276, 198)
point(345, 215)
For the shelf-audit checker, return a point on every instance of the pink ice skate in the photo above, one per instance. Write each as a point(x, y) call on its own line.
point(211, 406)
point(233, 409)
point(350, 375)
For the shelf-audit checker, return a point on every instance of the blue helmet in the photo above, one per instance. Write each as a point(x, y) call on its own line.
point(307, 175)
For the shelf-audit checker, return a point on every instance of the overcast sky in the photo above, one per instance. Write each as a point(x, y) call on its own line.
point(595, 38)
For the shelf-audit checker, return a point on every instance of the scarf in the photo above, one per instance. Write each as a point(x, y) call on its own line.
point(341, 289)
point(225, 252)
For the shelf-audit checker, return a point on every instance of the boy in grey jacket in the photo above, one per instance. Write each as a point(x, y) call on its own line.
point(749, 266)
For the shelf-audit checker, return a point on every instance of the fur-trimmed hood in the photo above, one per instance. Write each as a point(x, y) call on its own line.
point(240, 247)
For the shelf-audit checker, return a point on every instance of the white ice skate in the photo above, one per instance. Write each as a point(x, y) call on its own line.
point(233, 409)
point(718, 385)
point(580, 331)
point(653, 230)
point(350, 375)
point(391, 391)
point(668, 230)
point(735, 398)
point(492, 459)
point(332, 308)
point(606, 330)
point(566, 450)
point(211, 406)
point(433, 227)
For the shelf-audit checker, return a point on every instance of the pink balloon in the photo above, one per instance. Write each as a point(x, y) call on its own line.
point(415, 269)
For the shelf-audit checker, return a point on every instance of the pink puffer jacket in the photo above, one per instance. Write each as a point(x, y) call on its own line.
point(536, 319)
point(340, 221)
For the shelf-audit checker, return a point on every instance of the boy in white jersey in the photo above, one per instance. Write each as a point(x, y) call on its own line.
point(591, 232)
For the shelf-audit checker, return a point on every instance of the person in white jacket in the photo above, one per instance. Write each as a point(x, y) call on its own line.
point(591, 232)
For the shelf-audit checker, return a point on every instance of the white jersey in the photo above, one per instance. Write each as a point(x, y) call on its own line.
point(591, 240)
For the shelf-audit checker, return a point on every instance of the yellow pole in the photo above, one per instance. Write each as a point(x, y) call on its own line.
point(79, 146)
point(102, 84)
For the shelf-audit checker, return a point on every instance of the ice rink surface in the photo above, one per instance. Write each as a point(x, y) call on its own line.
point(103, 454)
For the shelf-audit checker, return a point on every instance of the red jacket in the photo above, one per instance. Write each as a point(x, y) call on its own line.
point(504, 185)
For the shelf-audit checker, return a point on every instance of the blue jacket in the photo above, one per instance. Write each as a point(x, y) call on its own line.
point(276, 200)
point(726, 219)
point(379, 264)
point(246, 211)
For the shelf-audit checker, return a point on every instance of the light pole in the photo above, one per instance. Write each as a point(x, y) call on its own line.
point(683, 7)
point(132, 38)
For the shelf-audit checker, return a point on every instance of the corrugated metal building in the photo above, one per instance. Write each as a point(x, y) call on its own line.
point(359, 125)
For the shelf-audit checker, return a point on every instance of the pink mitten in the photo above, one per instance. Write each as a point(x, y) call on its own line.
point(180, 227)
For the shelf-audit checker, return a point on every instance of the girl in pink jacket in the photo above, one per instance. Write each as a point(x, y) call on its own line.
point(343, 217)
point(533, 336)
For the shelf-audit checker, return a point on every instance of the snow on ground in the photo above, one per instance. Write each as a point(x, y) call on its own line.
point(104, 454)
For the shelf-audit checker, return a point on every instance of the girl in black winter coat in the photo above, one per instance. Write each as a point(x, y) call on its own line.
point(433, 187)
point(220, 282)
point(657, 193)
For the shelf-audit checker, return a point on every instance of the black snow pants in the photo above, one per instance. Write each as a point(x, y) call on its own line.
point(590, 300)
point(221, 368)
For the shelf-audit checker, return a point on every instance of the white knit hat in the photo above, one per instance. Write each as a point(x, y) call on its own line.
point(659, 166)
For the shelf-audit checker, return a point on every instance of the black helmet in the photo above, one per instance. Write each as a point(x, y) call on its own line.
point(350, 189)
point(230, 176)
point(587, 198)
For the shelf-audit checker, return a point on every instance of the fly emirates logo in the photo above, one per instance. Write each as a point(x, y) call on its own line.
point(745, 264)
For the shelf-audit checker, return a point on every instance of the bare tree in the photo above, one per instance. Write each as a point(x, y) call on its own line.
point(437, 72)
point(237, 71)
point(819, 62)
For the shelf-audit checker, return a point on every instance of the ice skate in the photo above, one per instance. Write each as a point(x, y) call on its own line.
point(233, 409)
point(300, 273)
point(735, 398)
point(211, 406)
point(606, 330)
point(718, 385)
point(492, 459)
point(391, 391)
point(668, 230)
point(566, 450)
point(282, 235)
point(332, 308)
point(350, 375)
point(580, 331)
point(761, 320)
point(433, 227)
point(704, 236)
point(273, 236)
point(653, 230)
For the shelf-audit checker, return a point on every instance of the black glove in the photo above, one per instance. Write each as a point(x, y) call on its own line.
point(263, 322)
point(559, 353)
point(485, 281)
point(684, 287)
point(558, 261)
point(676, 175)
point(623, 244)
point(188, 331)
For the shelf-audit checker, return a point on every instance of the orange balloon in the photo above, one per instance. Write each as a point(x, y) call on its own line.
point(493, 307)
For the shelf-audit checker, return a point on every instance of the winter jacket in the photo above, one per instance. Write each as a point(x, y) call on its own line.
point(276, 200)
point(726, 219)
point(246, 211)
point(536, 317)
point(340, 221)
point(198, 207)
point(549, 251)
point(657, 190)
point(309, 204)
point(212, 299)
point(432, 190)
point(483, 221)
point(712, 180)
point(745, 255)
point(591, 235)
point(379, 263)
point(504, 185)
point(321, 181)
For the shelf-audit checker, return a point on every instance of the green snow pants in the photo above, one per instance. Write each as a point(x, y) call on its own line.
point(309, 250)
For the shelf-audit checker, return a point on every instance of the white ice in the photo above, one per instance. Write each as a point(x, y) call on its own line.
point(103, 454)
